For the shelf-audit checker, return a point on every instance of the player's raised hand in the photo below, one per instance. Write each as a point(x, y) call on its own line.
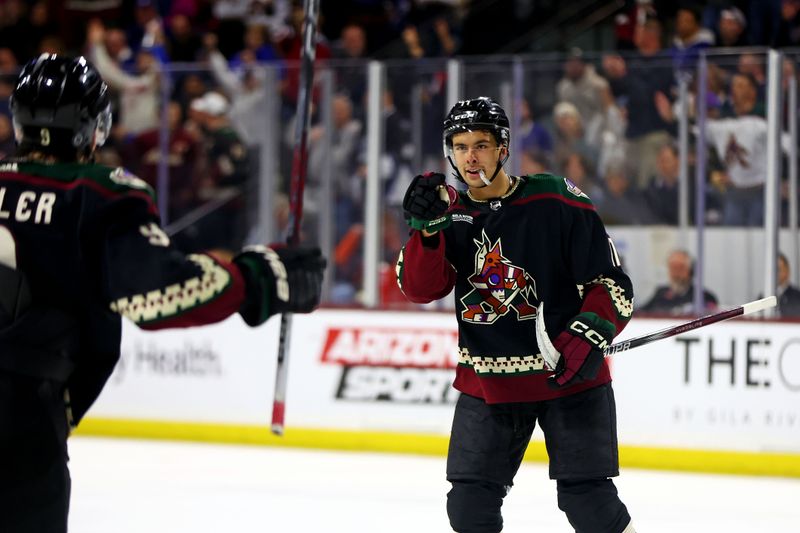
point(426, 202)
point(280, 279)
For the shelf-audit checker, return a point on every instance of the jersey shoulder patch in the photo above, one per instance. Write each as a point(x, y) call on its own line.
point(555, 187)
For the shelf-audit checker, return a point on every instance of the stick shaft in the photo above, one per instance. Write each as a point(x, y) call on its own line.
point(746, 309)
point(298, 181)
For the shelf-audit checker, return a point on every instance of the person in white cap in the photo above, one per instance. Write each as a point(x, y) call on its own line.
point(730, 28)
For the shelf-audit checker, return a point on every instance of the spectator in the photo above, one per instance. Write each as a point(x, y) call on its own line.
point(676, 298)
point(139, 92)
point(290, 48)
point(429, 25)
point(352, 43)
point(224, 180)
point(116, 43)
point(788, 33)
point(589, 92)
point(661, 194)
point(788, 294)
point(637, 82)
point(740, 143)
point(142, 30)
point(533, 162)
point(183, 151)
point(189, 87)
point(628, 23)
point(754, 64)
point(569, 136)
point(271, 13)
point(244, 86)
point(183, 44)
point(345, 143)
point(351, 73)
point(531, 134)
point(258, 47)
point(690, 38)
point(730, 28)
point(621, 203)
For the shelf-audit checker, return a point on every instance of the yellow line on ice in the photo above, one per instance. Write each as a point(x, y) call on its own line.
point(727, 462)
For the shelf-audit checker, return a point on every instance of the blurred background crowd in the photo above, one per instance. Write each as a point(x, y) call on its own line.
point(192, 82)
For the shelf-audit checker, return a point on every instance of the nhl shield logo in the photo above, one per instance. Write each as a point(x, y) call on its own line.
point(574, 189)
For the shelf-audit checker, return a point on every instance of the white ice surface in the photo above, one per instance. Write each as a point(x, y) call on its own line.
point(127, 486)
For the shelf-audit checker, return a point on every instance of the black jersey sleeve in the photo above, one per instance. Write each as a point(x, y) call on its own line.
point(154, 285)
point(604, 286)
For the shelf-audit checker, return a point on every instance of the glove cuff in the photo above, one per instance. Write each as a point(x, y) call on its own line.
point(430, 225)
point(593, 329)
point(265, 279)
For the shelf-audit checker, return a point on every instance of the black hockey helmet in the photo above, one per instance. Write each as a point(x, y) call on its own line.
point(477, 114)
point(60, 106)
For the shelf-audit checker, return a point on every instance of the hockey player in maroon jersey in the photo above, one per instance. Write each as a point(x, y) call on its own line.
point(506, 244)
point(81, 246)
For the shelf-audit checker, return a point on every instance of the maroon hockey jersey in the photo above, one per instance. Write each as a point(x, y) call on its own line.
point(541, 242)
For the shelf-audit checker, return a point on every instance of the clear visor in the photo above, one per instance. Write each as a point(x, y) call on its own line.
point(103, 127)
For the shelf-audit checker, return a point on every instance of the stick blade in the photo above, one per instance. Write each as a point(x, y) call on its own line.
point(759, 305)
point(546, 348)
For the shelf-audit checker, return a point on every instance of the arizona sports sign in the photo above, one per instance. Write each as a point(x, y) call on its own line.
point(405, 365)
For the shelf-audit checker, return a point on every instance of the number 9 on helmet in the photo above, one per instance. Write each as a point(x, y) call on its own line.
point(60, 107)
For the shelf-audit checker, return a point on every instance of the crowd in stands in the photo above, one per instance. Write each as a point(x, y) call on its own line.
point(608, 120)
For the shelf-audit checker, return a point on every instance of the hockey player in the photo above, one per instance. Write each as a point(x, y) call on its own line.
point(81, 246)
point(506, 244)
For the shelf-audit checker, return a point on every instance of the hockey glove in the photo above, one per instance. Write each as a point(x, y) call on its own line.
point(426, 202)
point(581, 346)
point(279, 280)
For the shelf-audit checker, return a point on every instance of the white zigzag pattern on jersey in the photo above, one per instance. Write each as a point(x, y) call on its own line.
point(178, 297)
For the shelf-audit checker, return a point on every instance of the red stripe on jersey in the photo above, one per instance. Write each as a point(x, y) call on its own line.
point(553, 196)
point(56, 184)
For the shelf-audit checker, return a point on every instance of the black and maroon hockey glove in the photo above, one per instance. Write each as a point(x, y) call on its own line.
point(581, 347)
point(426, 202)
point(279, 280)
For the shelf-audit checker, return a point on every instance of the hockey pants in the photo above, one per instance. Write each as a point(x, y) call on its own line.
point(488, 442)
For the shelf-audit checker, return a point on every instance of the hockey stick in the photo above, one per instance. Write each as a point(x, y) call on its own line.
point(551, 355)
point(298, 181)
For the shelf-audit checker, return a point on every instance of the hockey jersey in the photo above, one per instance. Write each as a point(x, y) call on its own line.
point(88, 240)
point(542, 242)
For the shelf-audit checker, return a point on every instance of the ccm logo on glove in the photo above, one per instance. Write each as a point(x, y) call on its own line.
point(279, 271)
point(589, 334)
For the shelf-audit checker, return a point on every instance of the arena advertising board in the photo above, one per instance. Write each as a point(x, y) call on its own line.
point(730, 386)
